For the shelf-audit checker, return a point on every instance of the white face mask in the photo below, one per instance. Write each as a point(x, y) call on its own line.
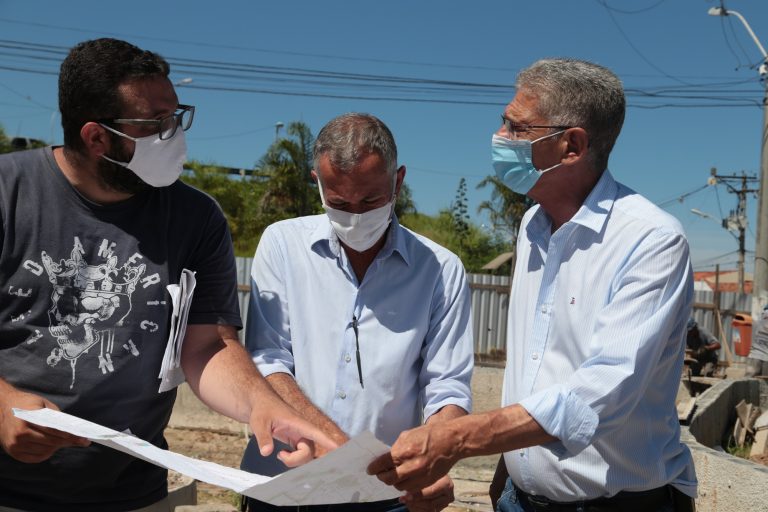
point(157, 162)
point(360, 231)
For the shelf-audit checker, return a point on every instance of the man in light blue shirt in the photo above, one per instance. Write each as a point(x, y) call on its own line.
point(601, 295)
point(356, 321)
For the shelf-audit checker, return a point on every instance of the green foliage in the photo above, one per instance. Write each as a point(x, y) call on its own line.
point(290, 190)
point(505, 208)
point(238, 199)
point(7, 147)
point(5, 142)
point(475, 248)
point(459, 210)
point(404, 204)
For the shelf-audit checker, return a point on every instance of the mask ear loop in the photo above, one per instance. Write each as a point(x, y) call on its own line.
point(546, 137)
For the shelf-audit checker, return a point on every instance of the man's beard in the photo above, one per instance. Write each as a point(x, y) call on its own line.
point(115, 176)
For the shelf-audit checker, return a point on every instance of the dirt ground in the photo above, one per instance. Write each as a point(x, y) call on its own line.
point(209, 438)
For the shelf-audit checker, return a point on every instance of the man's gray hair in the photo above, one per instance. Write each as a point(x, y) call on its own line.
point(578, 93)
point(347, 139)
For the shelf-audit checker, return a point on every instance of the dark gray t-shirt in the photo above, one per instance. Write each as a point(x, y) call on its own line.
point(84, 320)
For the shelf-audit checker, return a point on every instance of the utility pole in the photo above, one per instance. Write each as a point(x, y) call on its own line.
point(760, 283)
point(737, 220)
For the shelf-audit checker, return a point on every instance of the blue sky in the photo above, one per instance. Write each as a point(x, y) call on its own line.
point(454, 62)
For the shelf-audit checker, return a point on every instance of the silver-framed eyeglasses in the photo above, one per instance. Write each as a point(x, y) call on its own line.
point(166, 126)
point(516, 129)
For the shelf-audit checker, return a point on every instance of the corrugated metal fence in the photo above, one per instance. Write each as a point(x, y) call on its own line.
point(490, 303)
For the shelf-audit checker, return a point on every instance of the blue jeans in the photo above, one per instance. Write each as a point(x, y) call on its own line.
point(510, 502)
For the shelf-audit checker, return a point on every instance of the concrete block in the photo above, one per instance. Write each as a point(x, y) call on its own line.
point(762, 421)
point(760, 446)
point(183, 490)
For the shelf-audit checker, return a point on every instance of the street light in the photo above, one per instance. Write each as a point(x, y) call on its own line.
point(760, 281)
point(278, 125)
point(702, 214)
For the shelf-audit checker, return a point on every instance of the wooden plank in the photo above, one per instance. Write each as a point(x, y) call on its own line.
point(724, 343)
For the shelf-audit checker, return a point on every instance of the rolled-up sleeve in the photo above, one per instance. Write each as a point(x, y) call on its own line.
point(448, 351)
point(638, 331)
point(268, 333)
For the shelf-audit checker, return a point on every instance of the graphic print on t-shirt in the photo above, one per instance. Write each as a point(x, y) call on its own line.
point(89, 300)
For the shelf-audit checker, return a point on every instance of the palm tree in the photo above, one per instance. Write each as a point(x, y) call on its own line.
point(505, 208)
point(290, 190)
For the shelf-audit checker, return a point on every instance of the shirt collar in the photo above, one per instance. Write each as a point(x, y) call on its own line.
point(324, 237)
point(593, 213)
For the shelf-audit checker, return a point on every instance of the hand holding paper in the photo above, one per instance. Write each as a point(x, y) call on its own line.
point(339, 477)
point(171, 374)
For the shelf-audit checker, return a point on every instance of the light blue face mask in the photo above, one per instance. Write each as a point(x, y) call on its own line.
point(513, 162)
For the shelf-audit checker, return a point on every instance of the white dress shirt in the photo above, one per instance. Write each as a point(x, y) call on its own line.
point(414, 323)
point(595, 346)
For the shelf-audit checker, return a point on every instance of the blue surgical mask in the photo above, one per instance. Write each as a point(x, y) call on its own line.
point(513, 162)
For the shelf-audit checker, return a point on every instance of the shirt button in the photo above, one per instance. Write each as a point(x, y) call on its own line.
point(342, 395)
point(347, 358)
point(535, 356)
point(543, 309)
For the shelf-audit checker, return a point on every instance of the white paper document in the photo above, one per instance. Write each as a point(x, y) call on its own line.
point(171, 374)
point(338, 477)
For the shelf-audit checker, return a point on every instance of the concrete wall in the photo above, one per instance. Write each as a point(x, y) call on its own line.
point(726, 483)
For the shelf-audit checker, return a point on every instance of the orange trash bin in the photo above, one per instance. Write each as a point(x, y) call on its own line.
point(742, 335)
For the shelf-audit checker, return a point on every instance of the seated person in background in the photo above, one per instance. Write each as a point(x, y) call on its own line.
point(703, 346)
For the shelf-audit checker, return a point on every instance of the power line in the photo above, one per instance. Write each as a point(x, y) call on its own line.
point(636, 11)
point(257, 50)
point(256, 79)
point(632, 45)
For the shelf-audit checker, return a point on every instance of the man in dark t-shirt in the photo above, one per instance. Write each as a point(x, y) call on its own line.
point(91, 234)
point(703, 347)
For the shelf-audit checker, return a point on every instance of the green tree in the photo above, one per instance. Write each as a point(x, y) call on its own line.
point(459, 209)
point(505, 208)
point(7, 146)
point(475, 248)
point(5, 142)
point(404, 204)
point(290, 190)
point(238, 198)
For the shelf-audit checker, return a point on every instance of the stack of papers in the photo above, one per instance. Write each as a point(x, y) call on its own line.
point(338, 477)
point(171, 374)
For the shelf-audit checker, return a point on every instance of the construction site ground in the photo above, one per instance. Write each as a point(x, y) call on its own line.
point(197, 433)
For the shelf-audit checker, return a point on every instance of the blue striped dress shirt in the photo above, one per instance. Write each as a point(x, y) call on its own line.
point(414, 327)
point(595, 347)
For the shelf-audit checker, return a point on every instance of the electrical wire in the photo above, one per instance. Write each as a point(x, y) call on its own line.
point(294, 81)
point(681, 197)
point(636, 11)
point(632, 45)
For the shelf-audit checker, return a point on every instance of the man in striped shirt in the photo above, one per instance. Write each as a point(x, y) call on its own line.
point(598, 310)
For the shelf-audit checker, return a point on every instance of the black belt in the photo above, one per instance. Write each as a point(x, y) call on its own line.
point(625, 501)
point(372, 506)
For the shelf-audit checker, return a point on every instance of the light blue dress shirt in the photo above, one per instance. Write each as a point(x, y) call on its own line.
point(414, 324)
point(595, 347)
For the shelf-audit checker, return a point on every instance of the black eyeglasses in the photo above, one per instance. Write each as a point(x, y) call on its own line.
point(516, 128)
point(357, 350)
point(166, 127)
